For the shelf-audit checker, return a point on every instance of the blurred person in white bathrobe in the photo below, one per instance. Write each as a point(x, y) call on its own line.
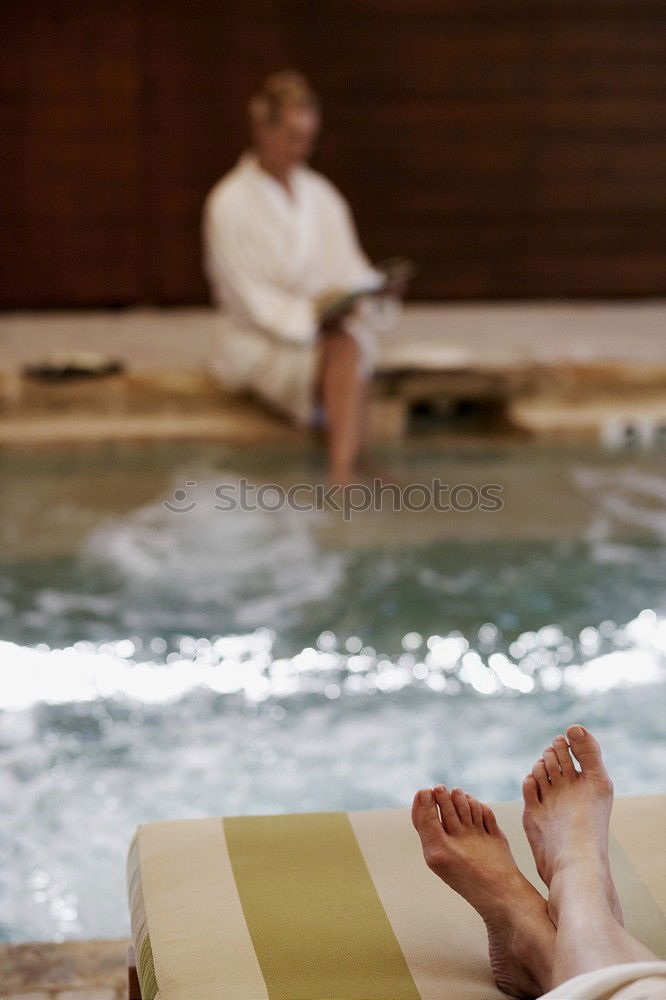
point(278, 236)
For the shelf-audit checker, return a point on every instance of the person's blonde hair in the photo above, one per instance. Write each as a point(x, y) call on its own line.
point(279, 91)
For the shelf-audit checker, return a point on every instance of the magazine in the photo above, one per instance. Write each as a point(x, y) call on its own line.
point(334, 305)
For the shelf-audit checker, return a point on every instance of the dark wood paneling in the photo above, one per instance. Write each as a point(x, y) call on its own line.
point(513, 148)
point(70, 130)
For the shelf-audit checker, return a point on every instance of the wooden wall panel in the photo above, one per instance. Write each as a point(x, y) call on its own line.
point(68, 113)
point(198, 74)
point(513, 148)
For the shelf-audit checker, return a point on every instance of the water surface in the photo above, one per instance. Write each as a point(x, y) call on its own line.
point(157, 664)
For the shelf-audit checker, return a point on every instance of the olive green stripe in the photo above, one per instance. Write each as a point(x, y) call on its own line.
point(642, 916)
point(146, 971)
point(332, 939)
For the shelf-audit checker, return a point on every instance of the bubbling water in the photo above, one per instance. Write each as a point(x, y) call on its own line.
point(182, 665)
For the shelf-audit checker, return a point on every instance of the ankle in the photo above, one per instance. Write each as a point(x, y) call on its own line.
point(524, 910)
point(511, 903)
point(579, 888)
point(532, 943)
point(577, 859)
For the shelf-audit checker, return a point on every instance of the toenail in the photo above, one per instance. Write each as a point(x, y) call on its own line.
point(577, 731)
point(425, 796)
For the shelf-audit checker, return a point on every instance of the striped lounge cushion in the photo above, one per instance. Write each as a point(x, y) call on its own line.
point(337, 906)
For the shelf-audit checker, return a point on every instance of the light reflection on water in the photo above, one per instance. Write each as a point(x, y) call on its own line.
point(171, 667)
point(599, 659)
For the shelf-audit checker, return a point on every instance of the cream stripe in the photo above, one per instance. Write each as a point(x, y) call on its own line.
point(639, 823)
point(638, 826)
point(441, 937)
point(195, 919)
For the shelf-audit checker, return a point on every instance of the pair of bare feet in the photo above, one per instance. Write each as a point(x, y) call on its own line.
point(534, 943)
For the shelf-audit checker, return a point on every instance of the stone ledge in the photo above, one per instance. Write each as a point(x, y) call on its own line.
point(552, 418)
point(73, 970)
point(82, 994)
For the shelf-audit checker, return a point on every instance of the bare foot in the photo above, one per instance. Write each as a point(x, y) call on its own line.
point(567, 814)
point(463, 844)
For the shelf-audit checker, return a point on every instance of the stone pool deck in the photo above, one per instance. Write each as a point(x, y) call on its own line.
point(560, 368)
point(74, 970)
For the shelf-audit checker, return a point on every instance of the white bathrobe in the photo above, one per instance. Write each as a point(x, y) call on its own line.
point(631, 981)
point(268, 255)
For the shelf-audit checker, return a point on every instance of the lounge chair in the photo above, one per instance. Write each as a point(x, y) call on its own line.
point(337, 906)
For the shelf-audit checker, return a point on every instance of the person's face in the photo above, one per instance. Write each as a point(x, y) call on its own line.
point(289, 141)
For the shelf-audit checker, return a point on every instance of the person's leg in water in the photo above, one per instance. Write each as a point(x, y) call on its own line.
point(342, 394)
point(463, 844)
point(566, 819)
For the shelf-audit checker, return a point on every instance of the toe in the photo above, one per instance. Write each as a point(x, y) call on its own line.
point(476, 811)
point(561, 749)
point(447, 809)
point(426, 820)
point(552, 765)
point(587, 752)
point(489, 820)
point(540, 775)
point(530, 792)
point(462, 806)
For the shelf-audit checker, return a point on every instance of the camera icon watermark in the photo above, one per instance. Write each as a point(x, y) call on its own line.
point(180, 502)
point(376, 496)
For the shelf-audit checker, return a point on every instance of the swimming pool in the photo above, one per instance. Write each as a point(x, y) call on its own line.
point(158, 664)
